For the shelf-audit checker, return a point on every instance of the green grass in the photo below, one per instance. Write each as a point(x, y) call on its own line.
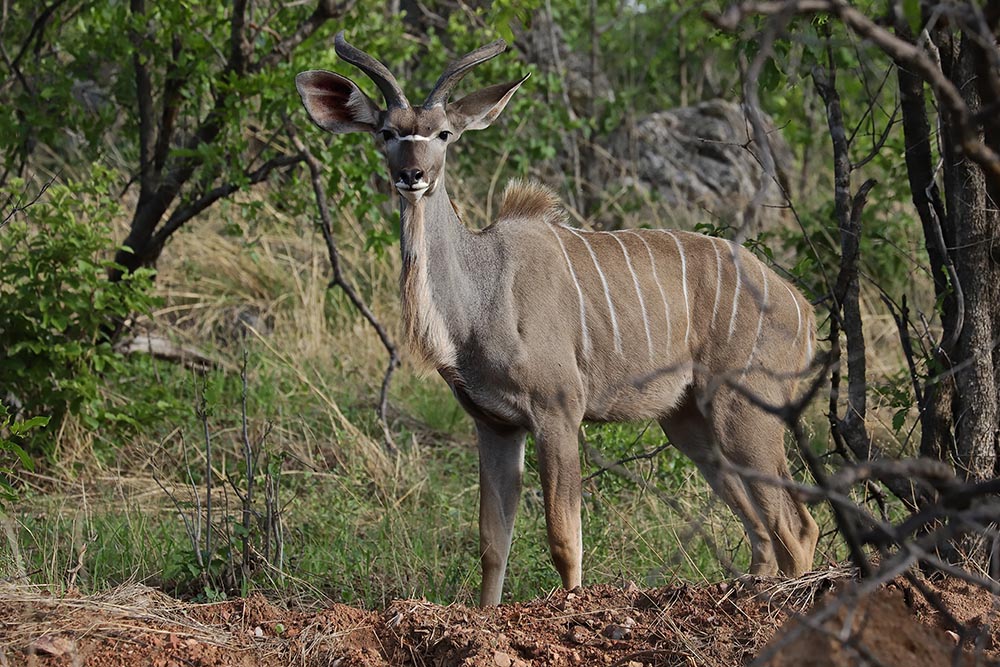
point(359, 527)
point(348, 535)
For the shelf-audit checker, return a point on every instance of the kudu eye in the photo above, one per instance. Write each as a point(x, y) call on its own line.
point(387, 135)
point(444, 135)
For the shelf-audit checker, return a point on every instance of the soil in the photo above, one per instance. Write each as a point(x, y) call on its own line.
point(821, 619)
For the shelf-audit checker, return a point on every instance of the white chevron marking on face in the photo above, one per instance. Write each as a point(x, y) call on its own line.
point(579, 291)
point(414, 137)
point(638, 293)
point(607, 290)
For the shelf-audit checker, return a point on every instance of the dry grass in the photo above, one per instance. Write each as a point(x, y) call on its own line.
point(266, 290)
point(119, 609)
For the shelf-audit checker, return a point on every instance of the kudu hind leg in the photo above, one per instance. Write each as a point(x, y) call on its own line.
point(501, 466)
point(753, 439)
point(693, 435)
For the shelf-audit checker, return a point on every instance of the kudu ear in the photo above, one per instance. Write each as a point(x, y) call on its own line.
point(477, 110)
point(335, 103)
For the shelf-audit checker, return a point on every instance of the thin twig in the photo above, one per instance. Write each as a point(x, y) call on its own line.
point(326, 227)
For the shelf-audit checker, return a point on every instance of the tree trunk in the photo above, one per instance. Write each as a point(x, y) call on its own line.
point(973, 218)
point(937, 438)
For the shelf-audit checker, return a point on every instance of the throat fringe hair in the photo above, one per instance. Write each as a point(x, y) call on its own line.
point(423, 328)
point(530, 200)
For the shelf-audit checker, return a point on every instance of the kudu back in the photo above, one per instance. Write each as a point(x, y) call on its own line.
point(537, 326)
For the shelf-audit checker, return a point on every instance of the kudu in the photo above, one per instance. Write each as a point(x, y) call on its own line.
point(537, 326)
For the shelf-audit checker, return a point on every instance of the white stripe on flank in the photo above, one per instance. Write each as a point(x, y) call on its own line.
point(798, 312)
point(718, 282)
point(638, 293)
point(760, 319)
point(656, 279)
point(684, 284)
point(736, 290)
point(607, 291)
point(579, 292)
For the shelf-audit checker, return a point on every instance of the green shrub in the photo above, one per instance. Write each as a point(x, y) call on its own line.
point(57, 304)
point(12, 432)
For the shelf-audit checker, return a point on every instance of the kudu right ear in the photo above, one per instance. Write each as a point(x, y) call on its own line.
point(335, 103)
point(477, 110)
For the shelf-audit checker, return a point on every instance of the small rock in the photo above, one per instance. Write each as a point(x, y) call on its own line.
point(616, 632)
point(501, 659)
point(571, 596)
point(578, 634)
point(258, 631)
point(49, 645)
point(634, 663)
point(629, 622)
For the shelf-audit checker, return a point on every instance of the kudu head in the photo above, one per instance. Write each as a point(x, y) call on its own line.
point(414, 139)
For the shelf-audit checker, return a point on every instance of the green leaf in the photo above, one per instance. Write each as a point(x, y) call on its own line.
point(770, 75)
point(911, 10)
point(23, 427)
point(899, 418)
point(21, 455)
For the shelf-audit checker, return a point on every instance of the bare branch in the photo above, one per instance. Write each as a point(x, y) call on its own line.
point(238, 46)
point(144, 103)
point(188, 210)
point(326, 227)
point(171, 106)
point(37, 30)
point(21, 204)
point(751, 98)
point(325, 10)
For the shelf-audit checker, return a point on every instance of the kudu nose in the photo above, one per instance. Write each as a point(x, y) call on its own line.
point(410, 177)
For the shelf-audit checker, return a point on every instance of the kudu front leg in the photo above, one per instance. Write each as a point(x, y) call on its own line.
point(559, 468)
point(501, 466)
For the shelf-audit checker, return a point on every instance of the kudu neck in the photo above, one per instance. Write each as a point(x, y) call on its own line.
point(449, 273)
point(435, 210)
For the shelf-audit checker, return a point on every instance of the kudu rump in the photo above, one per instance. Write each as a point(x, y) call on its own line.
point(537, 326)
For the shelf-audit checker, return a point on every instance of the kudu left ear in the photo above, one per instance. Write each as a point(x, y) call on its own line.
point(477, 110)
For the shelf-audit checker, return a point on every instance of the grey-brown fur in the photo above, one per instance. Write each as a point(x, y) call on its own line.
point(520, 319)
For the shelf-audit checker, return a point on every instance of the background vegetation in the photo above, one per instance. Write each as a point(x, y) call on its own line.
point(187, 402)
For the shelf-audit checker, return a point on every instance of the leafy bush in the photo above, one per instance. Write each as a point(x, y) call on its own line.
point(12, 431)
point(57, 305)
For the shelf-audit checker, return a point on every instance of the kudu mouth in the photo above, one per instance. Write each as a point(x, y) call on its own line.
point(412, 193)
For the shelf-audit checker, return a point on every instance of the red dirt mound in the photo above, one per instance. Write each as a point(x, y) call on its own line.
point(719, 625)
